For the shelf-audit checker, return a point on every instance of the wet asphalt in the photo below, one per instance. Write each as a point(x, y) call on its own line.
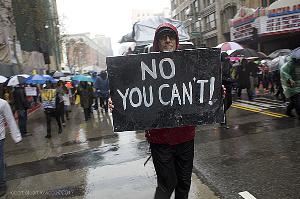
point(258, 154)
point(88, 160)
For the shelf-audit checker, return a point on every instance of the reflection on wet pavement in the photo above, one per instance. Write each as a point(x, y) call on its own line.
point(88, 160)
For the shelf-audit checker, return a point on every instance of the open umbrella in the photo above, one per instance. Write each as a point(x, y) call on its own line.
point(2, 79)
point(246, 52)
point(82, 78)
point(65, 79)
point(143, 31)
point(229, 46)
point(24, 75)
point(16, 80)
point(36, 79)
point(49, 78)
point(296, 53)
point(279, 52)
point(58, 74)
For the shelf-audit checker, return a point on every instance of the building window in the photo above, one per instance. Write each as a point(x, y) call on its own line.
point(226, 15)
point(208, 2)
point(196, 6)
point(210, 21)
point(212, 42)
point(197, 26)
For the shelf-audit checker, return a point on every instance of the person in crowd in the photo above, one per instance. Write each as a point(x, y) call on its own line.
point(290, 79)
point(67, 101)
point(243, 78)
point(6, 115)
point(227, 81)
point(85, 92)
point(172, 149)
point(21, 105)
point(60, 107)
point(1, 91)
point(96, 86)
point(103, 90)
point(277, 82)
point(253, 67)
point(50, 109)
point(8, 96)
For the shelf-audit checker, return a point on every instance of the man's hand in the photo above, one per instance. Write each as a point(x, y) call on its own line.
point(110, 105)
point(292, 83)
point(224, 91)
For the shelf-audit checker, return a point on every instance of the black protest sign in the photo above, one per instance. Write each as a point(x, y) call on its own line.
point(169, 89)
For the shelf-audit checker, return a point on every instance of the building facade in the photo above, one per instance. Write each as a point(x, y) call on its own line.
point(267, 29)
point(104, 43)
point(82, 52)
point(38, 31)
point(141, 14)
point(208, 21)
point(10, 51)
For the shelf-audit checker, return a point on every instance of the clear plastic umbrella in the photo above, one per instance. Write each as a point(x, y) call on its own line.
point(16, 80)
point(2, 79)
point(229, 46)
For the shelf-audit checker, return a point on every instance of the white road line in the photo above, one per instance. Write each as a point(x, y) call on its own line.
point(249, 106)
point(267, 99)
point(269, 102)
point(246, 195)
point(256, 103)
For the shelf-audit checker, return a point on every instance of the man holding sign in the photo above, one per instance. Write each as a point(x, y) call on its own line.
point(177, 93)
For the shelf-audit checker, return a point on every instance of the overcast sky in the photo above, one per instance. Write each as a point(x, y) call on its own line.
point(111, 18)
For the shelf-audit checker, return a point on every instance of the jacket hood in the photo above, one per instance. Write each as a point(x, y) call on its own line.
point(160, 28)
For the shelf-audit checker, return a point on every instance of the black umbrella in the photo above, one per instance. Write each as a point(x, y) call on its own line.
point(246, 52)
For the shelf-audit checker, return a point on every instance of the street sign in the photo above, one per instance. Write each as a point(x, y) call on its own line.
point(170, 89)
point(195, 33)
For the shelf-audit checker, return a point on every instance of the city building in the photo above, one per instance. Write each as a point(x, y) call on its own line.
point(82, 54)
point(200, 19)
point(37, 29)
point(104, 43)
point(10, 51)
point(267, 29)
point(138, 15)
point(208, 21)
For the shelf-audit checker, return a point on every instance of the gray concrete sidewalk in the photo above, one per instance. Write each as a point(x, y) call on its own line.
point(87, 160)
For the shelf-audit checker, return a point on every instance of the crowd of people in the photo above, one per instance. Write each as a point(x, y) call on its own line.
point(258, 79)
point(66, 93)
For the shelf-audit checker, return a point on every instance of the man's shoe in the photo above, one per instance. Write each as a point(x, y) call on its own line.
point(48, 136)
point(64, 124)
point(59, 131)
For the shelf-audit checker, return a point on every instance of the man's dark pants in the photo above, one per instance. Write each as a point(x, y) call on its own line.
point(52, 113)
point(22, 116)
point(173, 165)
point(294, 103)
point(2, 168)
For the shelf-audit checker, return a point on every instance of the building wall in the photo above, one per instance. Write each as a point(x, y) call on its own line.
point(36, 24)
point(82, 51)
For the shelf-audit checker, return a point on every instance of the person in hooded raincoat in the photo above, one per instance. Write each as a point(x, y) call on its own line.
point(290, 79)
point(172, 149)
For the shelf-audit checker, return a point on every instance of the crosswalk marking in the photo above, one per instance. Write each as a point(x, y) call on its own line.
point(260, 105)
point(273, 102)
point(246, 195)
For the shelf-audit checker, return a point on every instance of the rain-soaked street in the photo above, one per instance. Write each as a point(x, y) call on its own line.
point(258, 154)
